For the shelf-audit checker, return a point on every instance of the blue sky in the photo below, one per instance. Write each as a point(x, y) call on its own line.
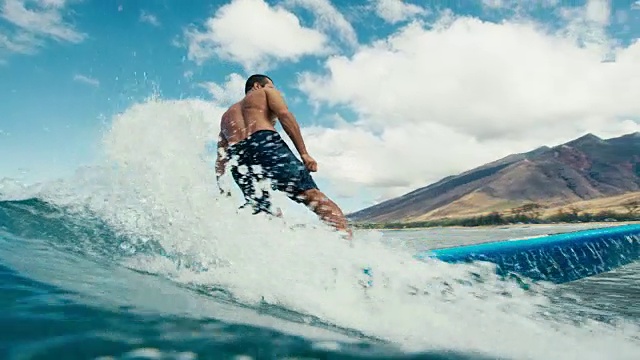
point(391, 95)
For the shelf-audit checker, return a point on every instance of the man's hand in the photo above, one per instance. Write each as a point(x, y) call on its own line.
point(309, 162)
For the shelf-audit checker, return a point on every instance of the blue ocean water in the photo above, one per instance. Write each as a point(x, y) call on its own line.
point(68, 293)
point(137, 257)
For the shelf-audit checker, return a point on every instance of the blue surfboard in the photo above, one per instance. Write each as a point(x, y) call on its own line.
point(556, 258)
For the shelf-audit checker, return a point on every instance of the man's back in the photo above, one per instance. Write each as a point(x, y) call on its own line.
point(247, 116)
point(247, 133)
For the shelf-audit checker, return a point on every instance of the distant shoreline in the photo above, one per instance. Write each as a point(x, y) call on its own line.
point(526, 215)
point(490, 226)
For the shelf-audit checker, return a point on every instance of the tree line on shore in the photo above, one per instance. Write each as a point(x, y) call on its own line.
point(530, 213)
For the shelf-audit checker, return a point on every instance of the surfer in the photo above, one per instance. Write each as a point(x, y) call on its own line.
point(248, 137)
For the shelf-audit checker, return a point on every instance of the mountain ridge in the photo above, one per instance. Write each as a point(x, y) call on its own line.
point(584, 168)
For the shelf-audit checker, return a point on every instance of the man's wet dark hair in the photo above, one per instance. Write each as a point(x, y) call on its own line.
point(259, 78)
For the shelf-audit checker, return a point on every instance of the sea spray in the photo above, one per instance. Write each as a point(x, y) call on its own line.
point(157, 184)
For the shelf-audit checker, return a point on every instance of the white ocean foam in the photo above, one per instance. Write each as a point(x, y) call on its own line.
point(157, 182)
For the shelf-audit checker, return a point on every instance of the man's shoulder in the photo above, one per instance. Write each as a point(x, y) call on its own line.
point(255, 98)
point(270, 91)
point(233, 106)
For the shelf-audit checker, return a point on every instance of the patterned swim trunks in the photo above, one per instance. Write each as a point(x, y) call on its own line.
point(265, 156)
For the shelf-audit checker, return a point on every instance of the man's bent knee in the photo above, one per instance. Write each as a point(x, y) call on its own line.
point(312, 197)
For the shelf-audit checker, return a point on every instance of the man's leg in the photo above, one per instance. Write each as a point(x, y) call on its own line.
point(290, 176)
point(258, 199)
point(327, 210)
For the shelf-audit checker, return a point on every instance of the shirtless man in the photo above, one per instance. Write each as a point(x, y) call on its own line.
point(248, 135)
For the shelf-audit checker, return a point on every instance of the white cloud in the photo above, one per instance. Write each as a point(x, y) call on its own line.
point(394, 11)
point(254, 34)
point(524, 8)
point(21, 43)
point(636, 5)
point(53, 3)
point(45, 19)
point(598, 11)
point(399, 158)
point(35, 21)
point(494, 4)
point(229, 92)
point(588, 23)
point(86, 80)
point(327, 17)
point(435, 102)
point(148, 18)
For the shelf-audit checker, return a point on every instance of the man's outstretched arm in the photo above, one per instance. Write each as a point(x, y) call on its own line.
point(288, 121)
